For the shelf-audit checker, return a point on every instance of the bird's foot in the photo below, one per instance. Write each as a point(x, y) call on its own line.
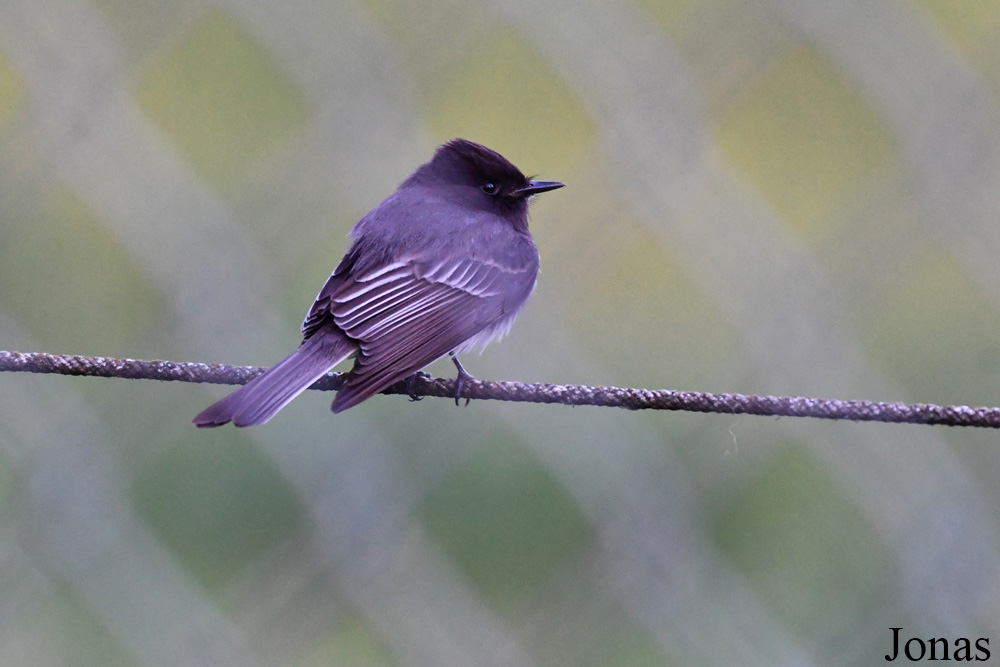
point(411, 384)
point(463, 377)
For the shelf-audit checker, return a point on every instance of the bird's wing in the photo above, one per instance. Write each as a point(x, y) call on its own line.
point(319, 314)
point(407, 313)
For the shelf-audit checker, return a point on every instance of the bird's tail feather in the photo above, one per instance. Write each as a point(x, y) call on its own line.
point(260, 399)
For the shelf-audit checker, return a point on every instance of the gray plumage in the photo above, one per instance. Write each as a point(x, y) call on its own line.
point(443, 265)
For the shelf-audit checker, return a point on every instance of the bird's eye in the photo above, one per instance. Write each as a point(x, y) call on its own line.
point(491, 188)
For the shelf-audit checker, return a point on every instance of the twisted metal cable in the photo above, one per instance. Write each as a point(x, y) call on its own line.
point(617, 397)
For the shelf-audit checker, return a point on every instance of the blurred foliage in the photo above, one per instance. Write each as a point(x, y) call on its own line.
point(506, 521)
point(354, 643)
point(504, 94)
point(222, 98)
point(633, 650)
point(833, 574)
point(487, 85)
point(930, 301)
point(805, 139)
point(971, 26)
point(692, 338)
point(670, 15)
point(67, 633)
point(90, 289)
point(10, 487)
point(11, 91)
point(217, 506)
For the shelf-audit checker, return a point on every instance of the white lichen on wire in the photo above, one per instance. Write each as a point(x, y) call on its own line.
point(629, 398)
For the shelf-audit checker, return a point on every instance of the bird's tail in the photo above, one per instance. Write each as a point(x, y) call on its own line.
point(261, 398)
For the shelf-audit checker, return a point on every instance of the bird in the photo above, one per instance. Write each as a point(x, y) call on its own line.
point(440, 267)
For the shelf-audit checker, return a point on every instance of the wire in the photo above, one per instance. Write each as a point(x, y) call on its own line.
point(617, 397)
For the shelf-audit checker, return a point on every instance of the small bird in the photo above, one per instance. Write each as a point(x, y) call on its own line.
point(442, 266)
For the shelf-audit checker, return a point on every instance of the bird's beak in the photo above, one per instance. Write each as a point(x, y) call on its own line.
point(537, 187)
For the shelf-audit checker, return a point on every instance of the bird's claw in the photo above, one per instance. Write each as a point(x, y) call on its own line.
point(463, 377)
point(460, 381)
point(411, 385)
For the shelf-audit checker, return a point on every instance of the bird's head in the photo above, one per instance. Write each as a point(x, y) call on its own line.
point(481, 177)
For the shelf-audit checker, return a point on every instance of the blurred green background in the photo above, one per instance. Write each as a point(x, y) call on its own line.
point(788, 197)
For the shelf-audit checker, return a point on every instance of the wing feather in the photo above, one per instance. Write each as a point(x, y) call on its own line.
point(425, 301)
point(406, 317)
point(375, 302)
point(404, 313)
point(371, 275)
point(391, 359)
point(363, 287)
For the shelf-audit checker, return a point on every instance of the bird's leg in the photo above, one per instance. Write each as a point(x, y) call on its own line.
point(463, 375)
point(411, 384)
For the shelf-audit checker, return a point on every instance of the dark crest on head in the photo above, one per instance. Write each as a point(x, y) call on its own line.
point(464, 162)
